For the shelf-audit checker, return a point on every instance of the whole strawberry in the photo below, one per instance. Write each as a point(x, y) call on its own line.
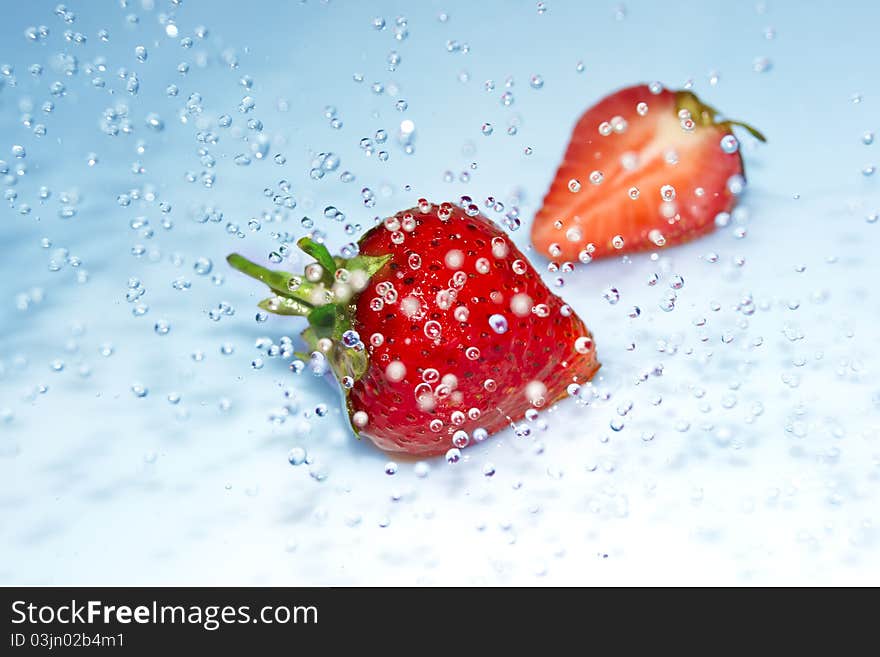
point(646, 167)
point(440, 331)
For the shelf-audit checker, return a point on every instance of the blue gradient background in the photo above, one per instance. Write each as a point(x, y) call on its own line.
point(98, 486)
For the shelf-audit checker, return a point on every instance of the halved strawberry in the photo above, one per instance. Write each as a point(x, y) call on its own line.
point(646, 168)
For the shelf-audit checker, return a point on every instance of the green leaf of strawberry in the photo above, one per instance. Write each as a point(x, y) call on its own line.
point(320, 253)
point(285, 306)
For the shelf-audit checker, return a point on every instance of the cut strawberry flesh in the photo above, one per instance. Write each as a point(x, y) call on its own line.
point(662, 182)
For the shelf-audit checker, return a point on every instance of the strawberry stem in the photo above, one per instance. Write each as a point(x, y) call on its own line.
point(706, 115)
point(757, 134)
point(329, 310)
point(280, 282)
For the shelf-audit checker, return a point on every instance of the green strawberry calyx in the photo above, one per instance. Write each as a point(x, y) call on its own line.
point(326, 296)
point(705, 115)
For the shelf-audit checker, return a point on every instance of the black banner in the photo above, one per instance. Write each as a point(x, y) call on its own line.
point(145, 620)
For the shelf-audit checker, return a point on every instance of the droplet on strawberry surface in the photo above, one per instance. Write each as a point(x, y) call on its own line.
point(359, 419)
point(729, 144)
point(536, 393)
point(657, 237)
point(395, 371)
point(583, 345)
point(498, 323)
point(454, 259)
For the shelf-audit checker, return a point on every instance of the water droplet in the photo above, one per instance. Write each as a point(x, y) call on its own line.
point(395, 371)
point(729, 144)
point(461, 439)
point(498, 323)
point(433, 329)
point(611, 295)
point(583, 345)
point(203, 266)
point(297, 456)
point(762, 65)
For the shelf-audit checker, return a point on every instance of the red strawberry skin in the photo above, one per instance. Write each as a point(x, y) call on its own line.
point(436, 364)
point(654, 149)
